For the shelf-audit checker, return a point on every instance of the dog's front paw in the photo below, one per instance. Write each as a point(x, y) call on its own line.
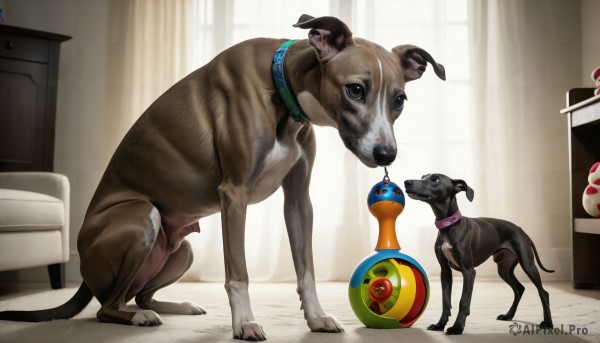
point(146, 318)
point(546, 325)
point(324, 324)
point(251, 331)
point(436, 327)
point(504, 317)
point(454, 330)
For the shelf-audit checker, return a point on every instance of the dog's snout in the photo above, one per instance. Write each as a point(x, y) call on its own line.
point(408, 183)
point(384, 154)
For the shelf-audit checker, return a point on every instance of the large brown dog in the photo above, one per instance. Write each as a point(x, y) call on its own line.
point(223, 138)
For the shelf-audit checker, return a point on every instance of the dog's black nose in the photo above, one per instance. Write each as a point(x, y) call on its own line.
point(384, 154)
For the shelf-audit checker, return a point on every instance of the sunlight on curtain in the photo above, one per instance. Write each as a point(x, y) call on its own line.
point(434, 134)
point(435, 131)
point(142, 39)
point(523, 63)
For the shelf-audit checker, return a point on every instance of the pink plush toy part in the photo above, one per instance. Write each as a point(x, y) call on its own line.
point(591, 194)
point(596, 78)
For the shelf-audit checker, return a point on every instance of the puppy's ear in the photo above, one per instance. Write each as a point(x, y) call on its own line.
point(461, 185)
point(414, 62)
point(328, 35)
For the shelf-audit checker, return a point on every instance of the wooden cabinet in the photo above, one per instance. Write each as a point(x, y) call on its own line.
point(28, 84)
point(584, 145)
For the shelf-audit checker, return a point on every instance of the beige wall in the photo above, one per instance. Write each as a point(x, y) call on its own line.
point(83, 126)
point(590, 39)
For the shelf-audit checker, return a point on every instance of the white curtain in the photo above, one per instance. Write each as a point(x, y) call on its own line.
point(151, 44)
point(525, 55)
point(494, 122)
point(344, 230)
point(154, 43)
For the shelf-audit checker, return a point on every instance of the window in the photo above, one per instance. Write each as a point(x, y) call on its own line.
point(434, 133)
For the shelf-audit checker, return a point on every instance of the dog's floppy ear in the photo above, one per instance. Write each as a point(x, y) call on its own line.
point(328, 35)
point(461, 185)
point(414, 62)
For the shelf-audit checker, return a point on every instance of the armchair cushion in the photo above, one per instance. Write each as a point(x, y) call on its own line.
point(30, 211)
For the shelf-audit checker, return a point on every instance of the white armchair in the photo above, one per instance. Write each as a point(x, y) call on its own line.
point(34, 222)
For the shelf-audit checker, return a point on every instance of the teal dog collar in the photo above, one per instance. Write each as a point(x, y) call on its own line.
point(282, 87)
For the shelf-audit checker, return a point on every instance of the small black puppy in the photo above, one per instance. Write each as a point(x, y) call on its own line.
point(464, 243)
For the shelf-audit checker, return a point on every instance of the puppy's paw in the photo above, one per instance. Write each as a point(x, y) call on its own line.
point(454, 330)
point(546, 325)
point(324, 324)
point(192, 308)
point(436, 327)
point(505, 317)
point(146, 318)
point(251, 331)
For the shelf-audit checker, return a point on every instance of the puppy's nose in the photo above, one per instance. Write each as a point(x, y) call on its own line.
point(384, 154)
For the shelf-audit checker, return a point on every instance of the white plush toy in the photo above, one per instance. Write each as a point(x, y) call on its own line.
point(591, 195)
point(596, 78)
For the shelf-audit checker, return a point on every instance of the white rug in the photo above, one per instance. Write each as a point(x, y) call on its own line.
point(276, 307)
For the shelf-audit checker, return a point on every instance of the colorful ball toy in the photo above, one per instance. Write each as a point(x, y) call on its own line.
point(388, 289)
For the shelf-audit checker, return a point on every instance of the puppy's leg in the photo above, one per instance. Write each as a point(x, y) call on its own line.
point(464, 258)
point(113, 246)
point(507, 262)
point(177, 264)
point(299, 220)
point(233, 218)
point(446, 280)
point(526, 258)
point(465, 301)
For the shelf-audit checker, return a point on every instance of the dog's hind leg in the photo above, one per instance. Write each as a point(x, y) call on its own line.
point(507, 262)
point(299, 220)
point(114, 245)
point(526, 258)
point(177, 264)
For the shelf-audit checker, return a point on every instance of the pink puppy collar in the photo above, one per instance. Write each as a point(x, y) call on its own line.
point(446, 223)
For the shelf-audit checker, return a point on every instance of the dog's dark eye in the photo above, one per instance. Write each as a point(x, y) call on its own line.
point(355, 91)
point(399, 102)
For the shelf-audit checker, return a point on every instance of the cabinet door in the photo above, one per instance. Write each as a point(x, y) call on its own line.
point(24, 131)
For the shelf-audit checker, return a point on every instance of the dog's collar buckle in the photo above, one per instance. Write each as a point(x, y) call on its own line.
point(282, 87)
point(448, 222)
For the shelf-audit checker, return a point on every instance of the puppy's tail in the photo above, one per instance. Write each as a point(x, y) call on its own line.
point(76, 304)
point(537, 258)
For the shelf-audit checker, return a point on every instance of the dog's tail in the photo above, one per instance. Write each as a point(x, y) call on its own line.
point(76, 304)
point(537, 258)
